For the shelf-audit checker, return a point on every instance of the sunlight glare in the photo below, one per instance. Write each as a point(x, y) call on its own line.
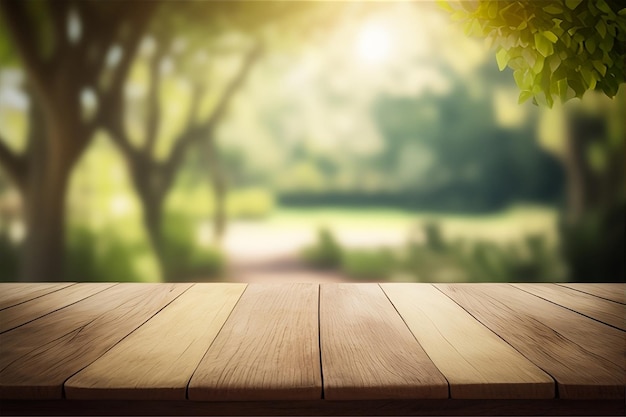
point(373, 44)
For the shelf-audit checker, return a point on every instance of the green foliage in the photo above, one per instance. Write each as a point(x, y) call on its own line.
point(369, 264)
point(325, 253)
point(250, 203)
point(183, 259)
point(93, 256)
point(557, 49)
point(594, 246)
point(435, 259)
point(528, 261)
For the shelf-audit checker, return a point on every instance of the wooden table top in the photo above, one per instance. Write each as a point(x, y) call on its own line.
point(208, 347)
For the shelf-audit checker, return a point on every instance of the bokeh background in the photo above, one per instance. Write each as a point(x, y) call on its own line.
point(292, 141)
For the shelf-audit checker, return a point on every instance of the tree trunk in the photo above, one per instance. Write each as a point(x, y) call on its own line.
point(152, 214)
point(43, 251)
point(151, 197)
point(592, 229)
point(218, 184)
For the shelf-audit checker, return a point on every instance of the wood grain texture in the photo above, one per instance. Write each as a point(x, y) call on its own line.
point(14, 293)
point(157, 360)
point(445, 407)
point(367, 350)
point(601, 309)
point(268, 348)
point(20, 314)
point(36, 358)
point(464, 350)
point(613, 292)
point(584, 356)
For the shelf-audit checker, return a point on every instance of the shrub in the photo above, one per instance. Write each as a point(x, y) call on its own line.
point(250, 203)
point(325, 253)
point(93, 256)
point(369, 264)
point(183, 259)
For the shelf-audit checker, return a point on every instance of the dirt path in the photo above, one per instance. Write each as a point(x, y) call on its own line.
point(262, 253)
point(286, 269)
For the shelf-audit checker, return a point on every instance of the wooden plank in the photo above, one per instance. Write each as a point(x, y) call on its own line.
point(464, 350)
point(13, 293)
point(613, 292)
point(157, 360)
point(601, 309)
point(367, 350)
point(584, 356)
point(268, 348)
point(20, 314)
point(444, 407)
point(36, 358)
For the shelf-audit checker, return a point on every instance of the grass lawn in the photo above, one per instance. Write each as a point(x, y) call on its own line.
point(508, 225)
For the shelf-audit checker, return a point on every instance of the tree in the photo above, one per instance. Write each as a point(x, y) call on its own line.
point(66, 49)
point(195, 25)
point(561, 49)
point(558, 49)
point(151, 176)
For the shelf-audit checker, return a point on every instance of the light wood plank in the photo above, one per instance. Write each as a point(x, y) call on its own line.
point(157, 360)
point(268, 348)
point(464, 350)
point(584, 356)
point(613, 292)
point(601, 309)
point(13, 293)
point(367, 350)
point(36, 358)
point(20, 314)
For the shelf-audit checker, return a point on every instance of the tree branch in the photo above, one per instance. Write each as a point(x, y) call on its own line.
point(59, 13)
point(22, 32)
point(235, 84)
point(205, 129)
point(13, 163)
point(154, 105)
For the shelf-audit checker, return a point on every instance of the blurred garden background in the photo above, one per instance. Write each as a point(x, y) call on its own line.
point(312, 141)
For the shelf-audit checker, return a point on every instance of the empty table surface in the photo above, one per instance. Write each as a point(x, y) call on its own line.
point(222, 348)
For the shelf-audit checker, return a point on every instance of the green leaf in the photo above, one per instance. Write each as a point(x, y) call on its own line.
point(600, 67)
point(588, 78)
point(601, 28)
point(601, 4)
point(502, 57)
point(550, 36)
point(555, 62)
point(553, 9)
point(544, 46)
point(538, 64)
point(590, 45)
point(524, 95)
point(561, 88)
point(572, 4)
point(567, 40)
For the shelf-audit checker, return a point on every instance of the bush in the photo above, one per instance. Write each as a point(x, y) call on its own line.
point(438, 260)
point(325, 253)
point(250, 203)
point(369, 264)
point(95, 256)
point(183, 259)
